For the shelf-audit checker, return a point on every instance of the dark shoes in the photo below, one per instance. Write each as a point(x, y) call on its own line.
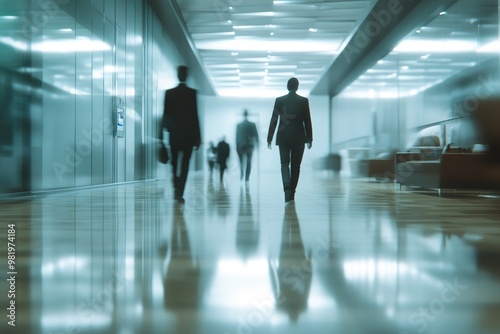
point(289, 196)
point(178, 197)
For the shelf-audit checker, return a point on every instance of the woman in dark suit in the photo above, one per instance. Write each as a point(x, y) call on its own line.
point(294, 131)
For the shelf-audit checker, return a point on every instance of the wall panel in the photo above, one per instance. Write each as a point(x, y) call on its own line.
point(102, 49)
point(97, 97)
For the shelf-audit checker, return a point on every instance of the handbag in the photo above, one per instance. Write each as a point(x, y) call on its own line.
point(163, 154)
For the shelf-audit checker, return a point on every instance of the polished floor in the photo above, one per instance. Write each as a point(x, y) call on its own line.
point(347, 256)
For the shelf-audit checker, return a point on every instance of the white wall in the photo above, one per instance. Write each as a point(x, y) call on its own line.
point(351, 118)
point(220, 115)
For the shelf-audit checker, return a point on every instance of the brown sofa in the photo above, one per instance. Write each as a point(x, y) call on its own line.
point(454, 170)
point(382, 166)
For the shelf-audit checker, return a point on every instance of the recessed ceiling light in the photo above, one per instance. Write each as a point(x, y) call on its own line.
point(433, 46)
point(492, 47)
point(15, 43)
point(313, 30)
point(229, 21)
point(443, 13)
point(234, 53)
point(9, 17)
point(272, 34)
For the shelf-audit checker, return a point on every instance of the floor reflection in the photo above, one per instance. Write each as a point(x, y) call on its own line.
point(292, 274)
point(182, 275)
point(346, 257)
point(247, 226)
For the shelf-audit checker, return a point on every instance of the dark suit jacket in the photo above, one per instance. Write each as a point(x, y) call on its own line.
point(295, 125)
point(180, 117)
point(223, 152)
point(246, 136)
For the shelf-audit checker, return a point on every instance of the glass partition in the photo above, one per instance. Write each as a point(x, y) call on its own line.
point(427, 86)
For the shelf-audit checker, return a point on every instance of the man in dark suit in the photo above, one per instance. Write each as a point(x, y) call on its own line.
point(294, 131)
point(246, 140)
point(180, 118)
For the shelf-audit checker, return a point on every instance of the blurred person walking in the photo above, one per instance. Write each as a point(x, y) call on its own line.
point(247, 138)
point(223, 151)
point(294, 131)
point(211, 157)
point(180, 118)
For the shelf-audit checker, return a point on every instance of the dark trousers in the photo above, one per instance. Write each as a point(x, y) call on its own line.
point(291, 158)
point(222, 168)
point(245, 169)
point(180, 168)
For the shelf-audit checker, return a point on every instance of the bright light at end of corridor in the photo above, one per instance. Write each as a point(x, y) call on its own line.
point(257, 92)
point(272, 45)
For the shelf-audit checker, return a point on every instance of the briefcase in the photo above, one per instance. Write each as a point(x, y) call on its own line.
point(163, 154)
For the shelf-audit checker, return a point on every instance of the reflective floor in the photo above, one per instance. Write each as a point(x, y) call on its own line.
point(348, 256)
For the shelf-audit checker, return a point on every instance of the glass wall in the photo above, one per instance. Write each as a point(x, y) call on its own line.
point(428, 85)
point(81, 85)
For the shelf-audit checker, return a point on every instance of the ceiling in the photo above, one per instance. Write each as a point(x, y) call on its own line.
point(455, 40)
point(251, 48)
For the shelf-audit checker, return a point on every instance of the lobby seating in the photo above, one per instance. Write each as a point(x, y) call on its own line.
point(382, 166)
point(477, 167)
point(457, 168)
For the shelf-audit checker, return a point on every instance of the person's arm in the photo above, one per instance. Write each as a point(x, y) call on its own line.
point(160, 134)
point(163, 123)
point(308, 126)
point(272, 124)
point(167, 113)
point(238, 140)
point(196, 122)
point(256, 135)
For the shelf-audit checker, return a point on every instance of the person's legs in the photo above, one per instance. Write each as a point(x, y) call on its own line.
point(249, 164)
point(211, 167)
point(222, 165)
point(186, 156)
point(242, 167)
point(285, 171)
point(175, 155)
point(297, 153)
